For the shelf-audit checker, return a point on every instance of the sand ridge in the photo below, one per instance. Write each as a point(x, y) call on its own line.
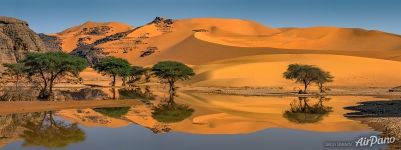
point(267, 70)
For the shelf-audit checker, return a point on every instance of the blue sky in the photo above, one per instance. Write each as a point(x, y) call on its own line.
point(49, 16)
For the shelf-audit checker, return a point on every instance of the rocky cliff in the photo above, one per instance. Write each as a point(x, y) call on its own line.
point(16, 40)
point(51, 42)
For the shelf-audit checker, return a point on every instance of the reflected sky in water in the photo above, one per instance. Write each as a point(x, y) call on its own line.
point(137, 137)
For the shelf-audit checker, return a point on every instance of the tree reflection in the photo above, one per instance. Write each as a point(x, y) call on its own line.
point(169, 112)
point(302, 112)
point(115, 112)
point(51, 133)
point(11, 124)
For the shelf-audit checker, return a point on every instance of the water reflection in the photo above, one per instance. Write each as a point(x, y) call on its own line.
point(302, 111)
point(40, 129)
point(51, 133)
point(115, 112)
point(215, 114)
point(168, 111)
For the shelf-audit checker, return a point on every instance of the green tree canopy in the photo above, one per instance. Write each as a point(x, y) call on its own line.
point(322, 78)
point(51, 66)
point(113, 67)
point(171, 71)
point(307, 74)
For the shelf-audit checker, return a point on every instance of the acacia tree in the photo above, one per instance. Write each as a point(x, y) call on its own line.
point(113, 67)
point(306, 74)
point(15, 71)
point(322, 78)
point(171, 71)
point(136, 73)
point(45, 68)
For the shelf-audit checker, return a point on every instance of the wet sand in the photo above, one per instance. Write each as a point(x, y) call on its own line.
point(35, 106)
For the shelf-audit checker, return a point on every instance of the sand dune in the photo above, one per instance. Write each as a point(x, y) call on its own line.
point(266, 70)
point(230, 38)
point(201, 40)
point(314, 38)
point(220, 49)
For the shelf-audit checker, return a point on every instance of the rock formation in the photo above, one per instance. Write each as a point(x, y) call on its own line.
point(51, 42)
point(17, 39)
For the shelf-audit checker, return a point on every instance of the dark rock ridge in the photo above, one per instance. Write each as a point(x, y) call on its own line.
point(51, 42)
point(17, 39)
point(390, 108)
point(101, 30)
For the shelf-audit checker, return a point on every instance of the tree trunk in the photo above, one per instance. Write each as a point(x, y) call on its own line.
point(124, 81)
point(51, 90)
point(113, 84)
point(171, 86)
point(43, 92)
point(113, 90)
point(305, 88)
point(321, 87)
point(16, 83)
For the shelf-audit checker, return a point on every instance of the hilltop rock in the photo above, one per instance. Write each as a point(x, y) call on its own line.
point(88, 33)
point(17, 39)
point(94, 54)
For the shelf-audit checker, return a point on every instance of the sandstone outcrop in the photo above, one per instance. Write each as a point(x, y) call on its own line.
point(16, 40)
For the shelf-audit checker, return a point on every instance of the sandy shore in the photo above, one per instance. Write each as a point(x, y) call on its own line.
point(389, 126)
point(383, 116)
point(35, 106)
point(271, 91)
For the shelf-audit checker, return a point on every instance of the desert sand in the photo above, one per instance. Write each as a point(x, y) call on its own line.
point(200, 40)
point(267, 70)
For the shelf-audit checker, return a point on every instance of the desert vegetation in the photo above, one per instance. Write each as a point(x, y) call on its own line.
point(306, 75)
point(42, 70)
point(171, 71)
point(114, 67)
point(15, 72)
